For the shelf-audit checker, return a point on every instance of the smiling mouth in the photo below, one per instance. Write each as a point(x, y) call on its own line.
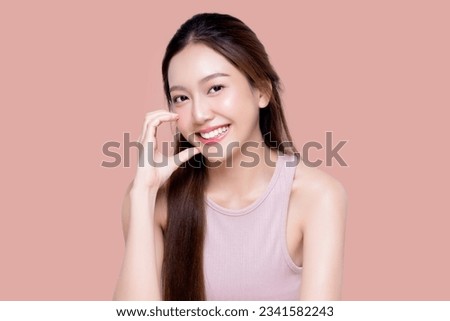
point(215, 133)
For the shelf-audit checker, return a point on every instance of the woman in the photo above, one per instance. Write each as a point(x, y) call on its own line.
point(234, 214)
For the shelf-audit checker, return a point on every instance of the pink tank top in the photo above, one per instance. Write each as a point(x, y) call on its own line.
point(245, 253)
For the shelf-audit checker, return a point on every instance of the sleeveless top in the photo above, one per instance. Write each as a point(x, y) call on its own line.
point(245, 250)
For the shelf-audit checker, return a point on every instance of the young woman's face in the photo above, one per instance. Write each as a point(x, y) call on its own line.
point(218, 109)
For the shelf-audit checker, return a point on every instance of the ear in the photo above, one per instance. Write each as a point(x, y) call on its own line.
point(265, 95)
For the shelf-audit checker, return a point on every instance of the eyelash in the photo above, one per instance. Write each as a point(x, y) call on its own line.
point(215, 86)
point(174, 99)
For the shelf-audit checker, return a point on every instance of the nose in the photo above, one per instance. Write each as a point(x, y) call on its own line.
point(201, 111)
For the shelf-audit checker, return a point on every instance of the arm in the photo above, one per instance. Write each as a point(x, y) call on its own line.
point(140, 275)
point(324, 231)
point(143, 215)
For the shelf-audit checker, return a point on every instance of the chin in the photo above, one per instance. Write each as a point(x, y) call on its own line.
point(214, 157)
point(218, 156)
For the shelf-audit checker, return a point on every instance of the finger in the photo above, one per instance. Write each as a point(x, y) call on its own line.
point(183, 156)
point(149, 118)
point(150, 134)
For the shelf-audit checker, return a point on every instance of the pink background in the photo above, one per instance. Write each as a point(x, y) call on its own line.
point(76, 74)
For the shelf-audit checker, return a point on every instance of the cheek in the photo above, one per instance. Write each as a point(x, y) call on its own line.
point(183, 122)
point(238, 101)
point(231, 103)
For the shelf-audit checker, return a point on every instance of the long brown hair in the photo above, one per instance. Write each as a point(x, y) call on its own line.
point(182, 271)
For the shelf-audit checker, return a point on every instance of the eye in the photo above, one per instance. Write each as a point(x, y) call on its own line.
point(215, 89)
point(178, 99)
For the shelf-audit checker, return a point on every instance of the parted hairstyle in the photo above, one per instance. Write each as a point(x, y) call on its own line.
point(182, 269)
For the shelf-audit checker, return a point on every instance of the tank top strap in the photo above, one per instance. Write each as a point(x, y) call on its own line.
point(288, 165)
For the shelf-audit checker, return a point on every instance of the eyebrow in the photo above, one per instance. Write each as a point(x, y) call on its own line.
point(203, 80)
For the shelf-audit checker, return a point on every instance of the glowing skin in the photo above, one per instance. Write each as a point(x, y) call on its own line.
point(214, 105)
point(210, 95)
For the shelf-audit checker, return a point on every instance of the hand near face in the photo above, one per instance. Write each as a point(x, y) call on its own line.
point(154, 167)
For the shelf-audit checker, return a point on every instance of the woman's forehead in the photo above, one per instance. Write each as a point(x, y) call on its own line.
point(195, 62)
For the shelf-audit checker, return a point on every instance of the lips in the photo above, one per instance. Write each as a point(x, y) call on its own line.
point(213, 134)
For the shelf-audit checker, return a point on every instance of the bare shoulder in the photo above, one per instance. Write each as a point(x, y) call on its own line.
point(317, 194)
point(319, 209)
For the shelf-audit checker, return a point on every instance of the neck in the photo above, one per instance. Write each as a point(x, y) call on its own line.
point(242, 174)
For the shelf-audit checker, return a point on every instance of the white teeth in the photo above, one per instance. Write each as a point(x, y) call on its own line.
point(214, 133)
